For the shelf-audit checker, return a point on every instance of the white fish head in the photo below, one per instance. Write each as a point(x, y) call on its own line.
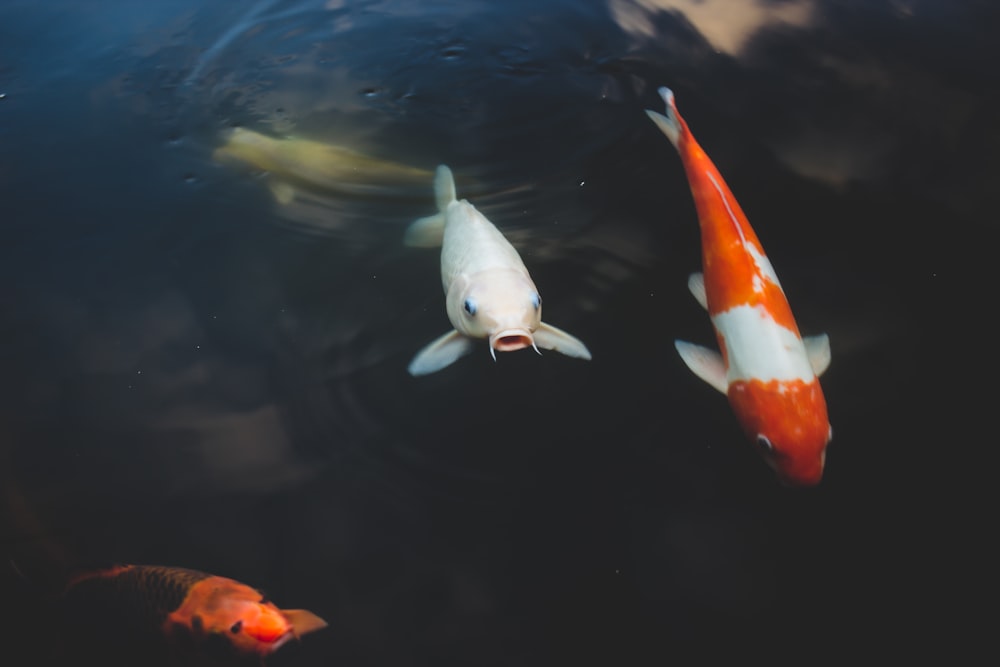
point(500, 305)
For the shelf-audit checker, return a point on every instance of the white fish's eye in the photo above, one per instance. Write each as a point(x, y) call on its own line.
point(764, 444)
point(536, 300)
point(470, 306)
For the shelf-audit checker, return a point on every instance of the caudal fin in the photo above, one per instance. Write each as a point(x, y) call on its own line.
point(444, 187)
point(669, 124)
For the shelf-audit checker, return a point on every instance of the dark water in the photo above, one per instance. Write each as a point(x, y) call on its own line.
point(195, 374)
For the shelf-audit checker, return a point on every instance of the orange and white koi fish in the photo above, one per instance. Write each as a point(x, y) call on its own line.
point(188, 609)
point(488, 292)
point(768, 371)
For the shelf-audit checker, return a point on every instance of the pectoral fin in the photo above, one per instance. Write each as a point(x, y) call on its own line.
point(818, 350)
point(303, 621)
point(551, 338)
point(705, 363)
point(426, 232)
point(283, 192)
point(696, 283)
point(440, 353)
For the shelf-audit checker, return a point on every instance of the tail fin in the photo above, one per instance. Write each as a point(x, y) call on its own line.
point(444, 187)
point(671, 124)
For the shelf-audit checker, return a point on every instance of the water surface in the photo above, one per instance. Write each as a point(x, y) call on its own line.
point(195, 373)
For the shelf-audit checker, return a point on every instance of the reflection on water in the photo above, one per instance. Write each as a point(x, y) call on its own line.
point(205, 362)
point(727, 25)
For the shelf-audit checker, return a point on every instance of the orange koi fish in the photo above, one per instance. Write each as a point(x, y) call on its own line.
point(768, 371)
point(194, 612)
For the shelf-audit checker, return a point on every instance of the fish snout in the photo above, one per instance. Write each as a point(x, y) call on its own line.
point(509, 340)
point(798, 481)
point(803, 474)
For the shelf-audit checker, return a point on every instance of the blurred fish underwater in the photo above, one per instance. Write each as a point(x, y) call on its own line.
point(208, 313)
point(152, 614)
point(316, 165)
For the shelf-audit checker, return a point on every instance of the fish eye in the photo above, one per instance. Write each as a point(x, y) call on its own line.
point(237, 626)
point(470, 306)
point(536, 300)
point(764, 444)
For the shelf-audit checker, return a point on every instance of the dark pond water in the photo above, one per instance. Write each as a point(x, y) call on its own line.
point(196, 372)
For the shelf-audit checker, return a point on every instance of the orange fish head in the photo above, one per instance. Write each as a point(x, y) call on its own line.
point(261, 628)
point(788, 423)
point(225, 608)
point(257, 627)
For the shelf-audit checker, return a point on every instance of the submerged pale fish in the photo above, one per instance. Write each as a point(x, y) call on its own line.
point(489, 294)
point(316, 165)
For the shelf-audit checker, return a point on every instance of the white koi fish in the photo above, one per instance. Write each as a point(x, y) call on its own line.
point(768, 371)
point(489, 294)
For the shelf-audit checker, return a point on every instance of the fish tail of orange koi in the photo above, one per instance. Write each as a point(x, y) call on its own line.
point(670, 124)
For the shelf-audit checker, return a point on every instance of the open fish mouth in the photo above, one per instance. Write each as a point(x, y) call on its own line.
point(509, 340)
point(280, 641)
